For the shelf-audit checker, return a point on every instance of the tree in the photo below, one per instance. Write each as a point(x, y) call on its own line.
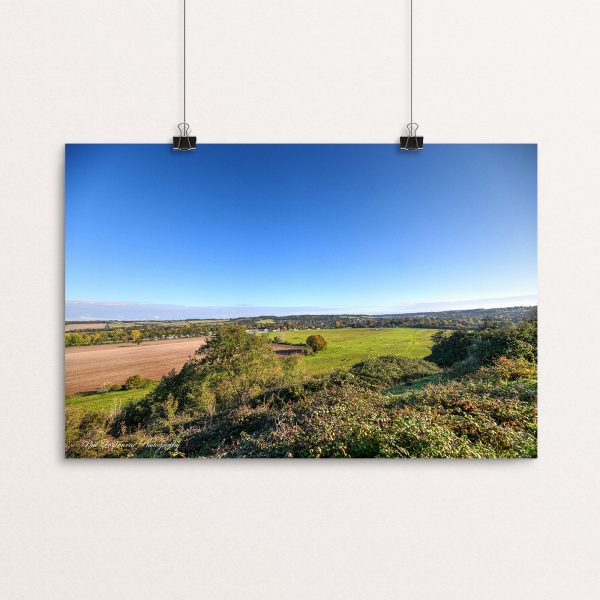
point(135, 382)
point(119, 335)
point(316, 342)
point(136, 336)
point(231, 367)
point(449, 348)
point(513, 341)
point(467, 351)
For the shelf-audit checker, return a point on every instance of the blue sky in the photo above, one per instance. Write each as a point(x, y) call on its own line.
point(241, 229)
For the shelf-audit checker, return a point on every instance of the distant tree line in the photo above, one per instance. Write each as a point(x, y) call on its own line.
point(138, 333)
point(458, 320)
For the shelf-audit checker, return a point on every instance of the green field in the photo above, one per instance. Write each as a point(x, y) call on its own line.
point(348, 346)
point(108, 401)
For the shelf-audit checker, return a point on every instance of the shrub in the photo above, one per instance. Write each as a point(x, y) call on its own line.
point(388, 371)
point(467, 351)
point(280, 338)
point(85, 433)
point(95, 435)
point(316, 342)
point(337, 416)
point(515, 341)
point(108, 387)
point(293, 368)
point(135, 382)
point(183, 392)
point(449, 348)
point(510, 369)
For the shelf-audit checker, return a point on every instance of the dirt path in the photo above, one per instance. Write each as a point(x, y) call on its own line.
point(89, 367)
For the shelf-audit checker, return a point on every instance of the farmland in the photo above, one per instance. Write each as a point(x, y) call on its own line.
point(95, 325)
point(348, 346)
point(89, 367)
point(85, 326)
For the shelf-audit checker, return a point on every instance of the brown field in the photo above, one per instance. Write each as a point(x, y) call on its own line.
point(80, 326)
point(89, 367)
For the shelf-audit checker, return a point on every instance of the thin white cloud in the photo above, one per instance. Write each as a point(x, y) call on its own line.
point(80, 310)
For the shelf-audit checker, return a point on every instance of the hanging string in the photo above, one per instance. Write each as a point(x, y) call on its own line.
point(184, 57)
point(184, 141)
point(411, 60)
point(411, 141)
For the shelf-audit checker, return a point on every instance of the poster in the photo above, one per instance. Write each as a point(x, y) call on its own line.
point(301, 301)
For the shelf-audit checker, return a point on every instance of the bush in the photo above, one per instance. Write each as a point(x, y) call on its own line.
point(135, 382)
point(515, 341)
point(337, 416)
point(85, 433)
point(108, 387)
point(465, 352)
point(316, 342)
point(388, 371)
point(280, 338)
point(510, 369)
point(450, 347)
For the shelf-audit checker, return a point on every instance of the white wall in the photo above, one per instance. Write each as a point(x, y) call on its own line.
point(298, 71)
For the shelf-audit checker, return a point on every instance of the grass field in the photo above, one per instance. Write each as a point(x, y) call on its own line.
point(107, 401)
point(348, 346)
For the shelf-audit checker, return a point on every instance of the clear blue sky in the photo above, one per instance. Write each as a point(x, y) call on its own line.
point(269, 228)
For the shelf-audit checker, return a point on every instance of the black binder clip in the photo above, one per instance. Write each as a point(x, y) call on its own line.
point(184, 141)
point(411, 141)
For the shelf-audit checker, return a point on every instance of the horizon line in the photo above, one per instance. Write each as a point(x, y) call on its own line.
point(93, 310)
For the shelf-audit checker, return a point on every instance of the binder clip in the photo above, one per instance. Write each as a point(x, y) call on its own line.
point(411, 141)
point(184, 142)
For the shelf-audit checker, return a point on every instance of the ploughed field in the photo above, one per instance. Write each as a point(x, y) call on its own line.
point(88, 368)
point(346, 347)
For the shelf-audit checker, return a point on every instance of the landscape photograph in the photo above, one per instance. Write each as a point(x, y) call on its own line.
point(300, 301)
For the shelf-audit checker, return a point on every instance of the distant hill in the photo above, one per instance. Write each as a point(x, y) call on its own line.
point(448, 319)
point(92, 332)
point(511, 313)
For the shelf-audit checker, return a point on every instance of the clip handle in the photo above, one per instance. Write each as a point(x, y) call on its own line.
point(184, 129)
point(412, 129)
